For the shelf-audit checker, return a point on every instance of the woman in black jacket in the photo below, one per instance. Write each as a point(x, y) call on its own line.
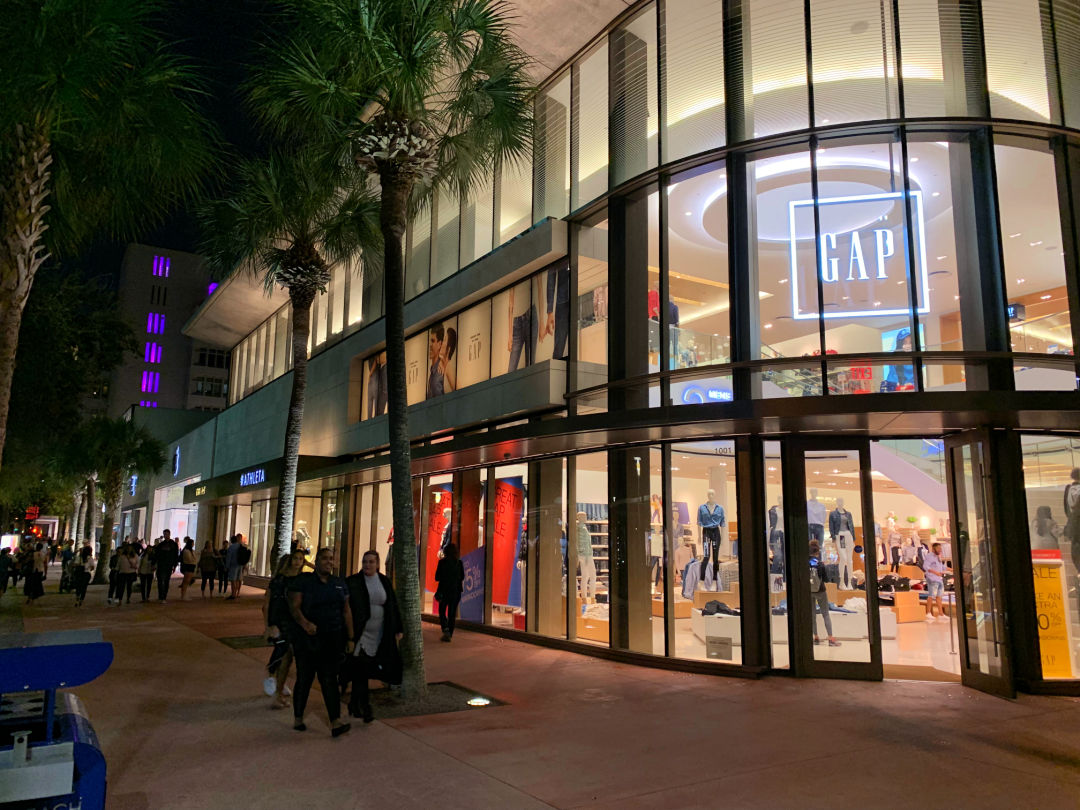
point(450, 574)
point(377, 628)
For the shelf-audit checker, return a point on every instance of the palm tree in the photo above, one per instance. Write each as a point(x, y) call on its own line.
point(99, 136)
point(117, 448)
point(430, 93)
point(289, 221)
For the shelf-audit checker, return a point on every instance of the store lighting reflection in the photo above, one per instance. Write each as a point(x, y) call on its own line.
point(479, 701)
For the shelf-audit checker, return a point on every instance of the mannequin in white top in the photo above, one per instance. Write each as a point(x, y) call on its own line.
point(815, 517)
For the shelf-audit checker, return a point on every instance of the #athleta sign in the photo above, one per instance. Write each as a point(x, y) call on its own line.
point(866, 258)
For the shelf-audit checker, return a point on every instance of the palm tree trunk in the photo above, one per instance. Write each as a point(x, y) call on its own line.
point(300, 303)
point(74, 528)
point(392, 217)
point(101, 575)
point(23, 192)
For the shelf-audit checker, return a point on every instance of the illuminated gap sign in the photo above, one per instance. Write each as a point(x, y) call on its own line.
point(253, 477)
point(696, 395)
point(866, 254)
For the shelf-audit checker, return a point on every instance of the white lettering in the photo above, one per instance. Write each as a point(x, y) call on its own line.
point(883, 244)
point(829, 265)
point(856, 258)
point(254, 477)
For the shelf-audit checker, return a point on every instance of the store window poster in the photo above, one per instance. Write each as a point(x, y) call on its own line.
point(474, 345)
point(471, 606)
point(551, 293)
point(506, 540)
point(375, 386)
point(442, 359)
point(416, 353)
point(514, 329)
point(899, 377)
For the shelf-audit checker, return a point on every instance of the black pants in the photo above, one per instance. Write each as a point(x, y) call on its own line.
point(146, 582)
point(710, 538)
point(114, 583)
point(223, 579)
point(208, 576)
point(82, 582)
point(124, 584)
point(448, 615)
point(895, 567)
point(361, 669)
point(318, 656)
point(163, 585)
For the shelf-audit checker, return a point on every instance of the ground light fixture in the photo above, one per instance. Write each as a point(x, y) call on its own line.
point(479, 701)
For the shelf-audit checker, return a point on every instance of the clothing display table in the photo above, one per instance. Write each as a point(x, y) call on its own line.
point(681, 607)
point(849, 626)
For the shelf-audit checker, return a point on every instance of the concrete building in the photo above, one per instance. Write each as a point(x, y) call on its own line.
point(787, 286)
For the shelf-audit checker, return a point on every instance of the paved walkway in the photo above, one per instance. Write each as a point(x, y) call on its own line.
point(184, 725)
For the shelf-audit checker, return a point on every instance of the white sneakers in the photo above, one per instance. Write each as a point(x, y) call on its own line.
point(269, 686)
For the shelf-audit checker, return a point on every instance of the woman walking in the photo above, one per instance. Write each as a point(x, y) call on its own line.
point(450, 574)
point(84, 572)
point(188, 562)
point(127, 567)
point(377, 624)
point(319, 604)
point(34, 587)
point(146, 572)
point(280, 627)
point(208, 566)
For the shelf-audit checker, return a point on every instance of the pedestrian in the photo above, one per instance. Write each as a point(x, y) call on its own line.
point(5, 569)
point(166, 556)
point(34, 586)
point(376, 622)
point(187, 567)
point(84, 570)
point(208, 566)
point(319, 604)
point(236, 559)
point(280, 627)
point(223, 568)
point(934, 570)
point(146, 572)
point(819, 594)
point(127, 568)
point(450, 574)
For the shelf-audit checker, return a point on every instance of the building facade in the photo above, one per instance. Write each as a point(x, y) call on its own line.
point(787, 286)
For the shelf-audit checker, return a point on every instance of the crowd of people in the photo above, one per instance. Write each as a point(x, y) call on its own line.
point(342, 631)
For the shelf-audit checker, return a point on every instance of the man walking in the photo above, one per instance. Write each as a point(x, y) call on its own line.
point(166, 557)
point(934, 568)
point(236, 559)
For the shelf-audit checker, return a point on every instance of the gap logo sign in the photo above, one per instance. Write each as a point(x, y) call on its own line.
point(861, 250)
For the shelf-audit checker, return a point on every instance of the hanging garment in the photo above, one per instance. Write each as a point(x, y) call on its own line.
point(845, 551)
point(690, 577)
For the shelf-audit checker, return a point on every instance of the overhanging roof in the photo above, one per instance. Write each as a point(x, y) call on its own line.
point(237, 306)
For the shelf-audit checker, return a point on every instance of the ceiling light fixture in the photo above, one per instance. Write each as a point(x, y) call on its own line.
point(942, 258)
point(1044, 297)
point(1035, 244)
point(1021, 280)
point(935, 193)
point(1014, 235)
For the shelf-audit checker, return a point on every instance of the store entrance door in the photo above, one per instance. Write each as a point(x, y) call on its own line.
point(984, 650)
point(833, 620)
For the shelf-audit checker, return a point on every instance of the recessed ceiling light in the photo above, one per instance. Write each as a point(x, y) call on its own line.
point(956, 298)
point(1035, 244)
point(1044, 297)
point(688, 213)
point(1021, 280)
point(675, 469)
point(935, 194)
point(768, 326)
point(783, 281)
point(847, 297)
point(479, 701)
point(1014, 235)
point(877, 303)
point(772, 469)
point(900, 282)
point(942, 258)
point(824, 120)
point(914, 160)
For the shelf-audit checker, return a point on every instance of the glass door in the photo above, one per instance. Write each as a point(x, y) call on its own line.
point(833, 620)
point(976, 549)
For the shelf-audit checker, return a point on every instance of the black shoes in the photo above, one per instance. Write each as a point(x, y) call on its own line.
point(339, 729)
point(299, 726)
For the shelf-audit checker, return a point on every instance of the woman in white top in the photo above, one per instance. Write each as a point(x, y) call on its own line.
point(377, 625)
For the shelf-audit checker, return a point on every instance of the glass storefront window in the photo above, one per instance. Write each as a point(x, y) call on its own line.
point(592, 302)
point(306, 525)
point(777, 576)
point(382, 523)
point(334, 521)
point(703, 547)
point(774, 59)
point(446, 236)
point(590, 108)
point(1053, 511)
point(545, 589)
point(1034, 262)
point(1015, 65)
point(693, 53)
point(418, 264)
point(589, 556)
point(355, 275)
point(437, 532)
point(263, 515)
point(515, 199)
point(471, 542)
point(920, 46)
point(336, 304)
point(509, 547)
point(634, 117)
point(552, 149)
point(699, 304)
point(854, 61)
point(477, 222)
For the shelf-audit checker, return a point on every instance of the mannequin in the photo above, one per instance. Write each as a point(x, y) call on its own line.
point(842, 532)
point(815, 517)
point(447, 531)
point(711, 519)
point(893, 539)
point(776, 537)
point(585, 558)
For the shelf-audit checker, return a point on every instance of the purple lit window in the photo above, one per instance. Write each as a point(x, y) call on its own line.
point(152, 353)
point(147, 404)
point(161, 266)
point(150, 382)
point(155, 324)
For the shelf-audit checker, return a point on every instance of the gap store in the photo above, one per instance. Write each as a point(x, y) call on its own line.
point(786, 288)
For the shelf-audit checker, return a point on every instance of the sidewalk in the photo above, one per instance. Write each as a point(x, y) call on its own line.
point(184, 724)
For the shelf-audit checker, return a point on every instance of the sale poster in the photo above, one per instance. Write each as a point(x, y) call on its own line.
point(506, 540)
